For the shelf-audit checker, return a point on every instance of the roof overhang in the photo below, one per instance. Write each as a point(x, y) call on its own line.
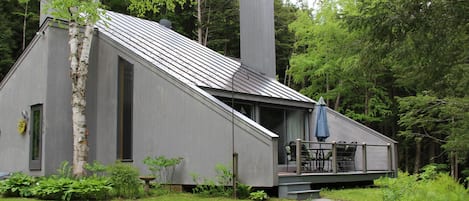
point(260, 99)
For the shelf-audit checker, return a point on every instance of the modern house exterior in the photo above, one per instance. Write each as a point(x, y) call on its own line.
point(152, 91)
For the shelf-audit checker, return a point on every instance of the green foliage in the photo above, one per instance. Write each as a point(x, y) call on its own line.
point(63, 188)
point(53, 188)
point(258, 196)
point(11, 28)
point(17, 185)
point(92, 188)
point(326, 62)
point(96, 168)
point(356, 194)
point(162, 168)
point(429, 185)
point(125, 181)
point(243, 191)
point(65, 170)
point(213, 188)
point(82, 12)
point(142, 6)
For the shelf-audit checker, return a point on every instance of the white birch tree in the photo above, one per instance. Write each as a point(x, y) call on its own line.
point(81, 16)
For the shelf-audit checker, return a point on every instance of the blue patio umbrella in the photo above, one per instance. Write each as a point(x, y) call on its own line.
point(321, 130)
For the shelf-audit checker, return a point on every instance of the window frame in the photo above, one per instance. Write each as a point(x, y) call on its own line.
point(125, 110)
point(35, 163)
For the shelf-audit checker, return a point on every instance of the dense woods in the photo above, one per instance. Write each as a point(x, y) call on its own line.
point(400, 67)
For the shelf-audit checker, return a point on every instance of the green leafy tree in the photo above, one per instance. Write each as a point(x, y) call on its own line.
point(78, 13)
point(284, 14)
point(424, 45)
point(12, 25)
point(327, 62)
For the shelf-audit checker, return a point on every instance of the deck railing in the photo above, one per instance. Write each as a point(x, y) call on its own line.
point(324, 157)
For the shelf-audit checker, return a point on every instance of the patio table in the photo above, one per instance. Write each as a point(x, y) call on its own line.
point(320, 157)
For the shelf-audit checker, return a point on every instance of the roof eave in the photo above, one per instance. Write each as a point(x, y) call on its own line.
point(257, 98)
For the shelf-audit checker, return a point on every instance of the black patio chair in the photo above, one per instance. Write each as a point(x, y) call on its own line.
point(350, 151)
point(341, 155)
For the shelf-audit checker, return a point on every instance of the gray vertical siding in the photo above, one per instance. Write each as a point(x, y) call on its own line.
point(106, 103)
point(344, 129)
point(58, 140)
point(173, 119)
point(257, 35)
point(25, 85)
point(42, 76)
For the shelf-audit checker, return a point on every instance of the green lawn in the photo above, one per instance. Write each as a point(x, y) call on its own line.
point(361, 194)
point(358, 194)
point(167, 197)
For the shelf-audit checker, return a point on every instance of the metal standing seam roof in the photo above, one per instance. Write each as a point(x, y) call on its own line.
point(189, 61)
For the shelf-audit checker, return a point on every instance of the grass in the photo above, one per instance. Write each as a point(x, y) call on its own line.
point(167, 197)
point(358, 194)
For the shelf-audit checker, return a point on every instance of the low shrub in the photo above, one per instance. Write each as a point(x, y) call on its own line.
point(92, 188)
point(52, 188)
point(258, 196)
point(62, 188)
point(125, 181)
point(243, 191)
point(429, 185)
point(17, 185)
point(96, 169)
point(211, 188)
point(221, 186)
point(162, 168)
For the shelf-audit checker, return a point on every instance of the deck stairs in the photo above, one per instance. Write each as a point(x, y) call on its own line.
point(292, 188)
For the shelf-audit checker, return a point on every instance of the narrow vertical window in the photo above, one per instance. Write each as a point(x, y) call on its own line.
point(35, 138)
point(125, 103)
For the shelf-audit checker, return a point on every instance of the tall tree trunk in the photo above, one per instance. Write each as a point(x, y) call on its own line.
point(418, 150)
point(199, 21)
point(80, 45)
point(24, 25)
point(206, 27)
point(327, 88)
point(366, 101)
point(431, 152)
point(406, 158)
point(337, 99)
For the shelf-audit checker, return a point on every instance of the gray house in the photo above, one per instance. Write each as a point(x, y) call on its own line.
point(151, 91)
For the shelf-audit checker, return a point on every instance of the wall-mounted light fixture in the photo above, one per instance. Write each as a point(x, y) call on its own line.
point(25, 115)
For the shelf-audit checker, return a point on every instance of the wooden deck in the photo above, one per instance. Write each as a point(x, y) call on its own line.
point(328, 177)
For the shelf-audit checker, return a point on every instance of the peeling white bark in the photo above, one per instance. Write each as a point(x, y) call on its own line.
point(80, 45)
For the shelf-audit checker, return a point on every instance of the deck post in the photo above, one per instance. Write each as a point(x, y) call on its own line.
point(389, 157)
point(298, 156)
point(235, 174)
point(334, 157)
point(365, 168)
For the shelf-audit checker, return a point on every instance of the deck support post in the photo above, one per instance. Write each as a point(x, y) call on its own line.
point(389, 157)
point(334, 157)
point(298, 156)
point(364, 160)
point(235, 174)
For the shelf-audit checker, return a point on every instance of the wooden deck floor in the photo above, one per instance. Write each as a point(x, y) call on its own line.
point(329, 177)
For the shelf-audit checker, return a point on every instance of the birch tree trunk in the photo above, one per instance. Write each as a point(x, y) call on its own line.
point(80, 44)
point(81, 15)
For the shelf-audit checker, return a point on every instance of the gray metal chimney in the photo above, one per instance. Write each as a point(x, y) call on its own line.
point(257, 35)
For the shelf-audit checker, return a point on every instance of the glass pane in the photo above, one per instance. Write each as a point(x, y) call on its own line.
point(125, 110)
point(274, 120)
point(245, 109)
point(36, 132)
